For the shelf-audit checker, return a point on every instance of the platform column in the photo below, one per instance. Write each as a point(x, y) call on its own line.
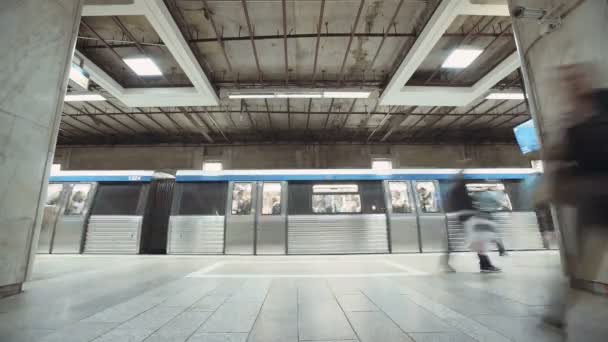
point(37, 43)
point(579, 36)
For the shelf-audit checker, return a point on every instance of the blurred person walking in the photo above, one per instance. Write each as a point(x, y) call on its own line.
point(576, 175)
point(479, 229)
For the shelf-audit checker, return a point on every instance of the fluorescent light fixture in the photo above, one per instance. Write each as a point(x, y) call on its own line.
point(83, 97)
point(506, 96)
point(251, 96)
point(143, 66)
point(461, 58)
point(79, 76)
point(303, 95)
point(298, 95)
point(347, 94)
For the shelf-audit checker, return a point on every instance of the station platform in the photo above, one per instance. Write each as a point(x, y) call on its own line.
point(294, 298)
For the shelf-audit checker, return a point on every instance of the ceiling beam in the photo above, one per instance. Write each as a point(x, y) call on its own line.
point(448, 10)
point(350, 42)
point(385, 34)
point(319, 26)
point(251, 34)
point(202, 130)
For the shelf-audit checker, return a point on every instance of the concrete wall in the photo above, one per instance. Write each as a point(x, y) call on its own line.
point(285, 156)
point(38, 39)
point(581, 39)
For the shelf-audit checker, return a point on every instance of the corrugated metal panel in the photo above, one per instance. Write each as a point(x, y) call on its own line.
point(113, 235)
point(196, 235)
point(337, 234)
point(519, 231)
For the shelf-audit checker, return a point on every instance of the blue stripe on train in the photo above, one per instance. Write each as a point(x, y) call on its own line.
point(132, 178)
point(337, 177)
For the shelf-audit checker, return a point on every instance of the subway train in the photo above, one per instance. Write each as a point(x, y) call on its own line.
point(277, 212)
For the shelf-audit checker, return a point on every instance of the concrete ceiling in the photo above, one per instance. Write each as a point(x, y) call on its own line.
point(361, 45)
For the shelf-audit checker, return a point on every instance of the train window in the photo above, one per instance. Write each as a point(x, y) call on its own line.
point(241, 198)
point(53, 194)
point(400, 197)
point(428, 196)
point(490, 197)
point(117, 199)
point(206, 199)
point(78, 199)
point(336, 199)
point(336, 203)
point(271, 199)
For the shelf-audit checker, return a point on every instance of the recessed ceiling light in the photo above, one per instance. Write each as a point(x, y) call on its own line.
point(347, 94)
point(506, 96)
point(83, 97)
point(461, 58)
point(143, 66)
point(298, 95)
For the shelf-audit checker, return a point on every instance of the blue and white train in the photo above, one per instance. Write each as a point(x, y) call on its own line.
point(276, 212)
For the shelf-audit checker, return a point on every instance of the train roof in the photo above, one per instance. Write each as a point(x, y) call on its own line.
point(102, 176)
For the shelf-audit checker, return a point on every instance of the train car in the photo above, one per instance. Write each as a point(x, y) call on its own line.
point(94, 212)
point(339, 211)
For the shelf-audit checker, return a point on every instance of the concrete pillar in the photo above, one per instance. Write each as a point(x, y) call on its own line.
point(579, 37)
point(38, 40)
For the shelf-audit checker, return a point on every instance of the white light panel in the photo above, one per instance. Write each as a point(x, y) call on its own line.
point(251, 96)
point(506, 96)
point(143, 66)
point(298, 96)
point(347, 94)
point(308, 95)
point(461, 58)
point(83, 97)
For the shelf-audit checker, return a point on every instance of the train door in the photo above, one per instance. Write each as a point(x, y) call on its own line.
point(271, 219)
point(70, 228)
point(402, 218)
point(240, 218)
point(156, 217)
point(56, 197)
point(431, 219)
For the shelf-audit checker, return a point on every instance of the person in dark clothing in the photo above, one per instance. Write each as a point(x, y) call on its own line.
point(478, 227)
point(576, 175)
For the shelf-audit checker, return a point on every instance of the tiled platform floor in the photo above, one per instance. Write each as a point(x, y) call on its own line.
point(325, 298)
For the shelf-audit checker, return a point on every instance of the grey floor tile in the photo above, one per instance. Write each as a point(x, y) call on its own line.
point(125, 311)
point(356, 302)
point(79, 332)
point(278, 326)
point(181, 327)
point(520, 328)
point(441, 337)
point(323, 320)
point(375, 326)
point(457, 320)
point(221, 337)
point(124, 335)
point(233, 317)
point(152, 319)
point(24, 335)
point(188, 297)
point(209, 303)
point(408, 315)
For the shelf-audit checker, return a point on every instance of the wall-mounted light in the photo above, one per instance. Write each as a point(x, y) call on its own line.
point(143, 66)
point(461, 58)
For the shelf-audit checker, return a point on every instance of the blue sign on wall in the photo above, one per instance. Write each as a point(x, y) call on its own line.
point(526, 137)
